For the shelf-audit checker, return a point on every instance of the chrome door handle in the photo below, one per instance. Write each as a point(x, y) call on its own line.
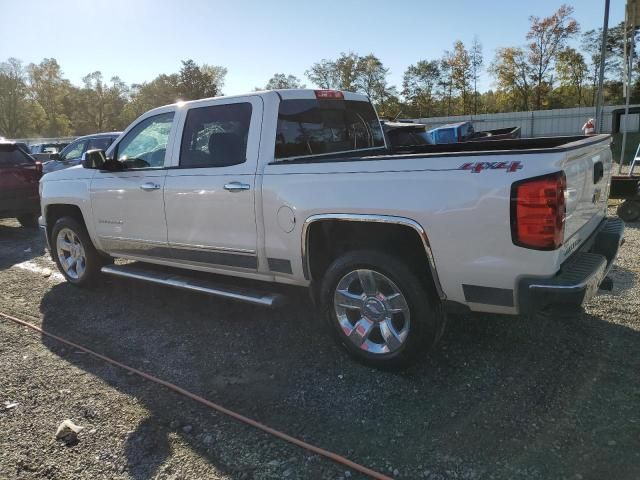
point(237, 186)
point(149, 186)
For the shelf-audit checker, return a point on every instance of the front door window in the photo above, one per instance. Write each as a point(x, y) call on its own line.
point(145, 146)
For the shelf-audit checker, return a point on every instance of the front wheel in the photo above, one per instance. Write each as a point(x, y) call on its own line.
point(379, 311)
point(74, 253)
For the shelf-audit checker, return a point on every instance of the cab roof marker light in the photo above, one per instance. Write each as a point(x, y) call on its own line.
point(329, 95)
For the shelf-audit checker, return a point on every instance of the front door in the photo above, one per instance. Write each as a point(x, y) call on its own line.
point(128, 205)
point(210, 192)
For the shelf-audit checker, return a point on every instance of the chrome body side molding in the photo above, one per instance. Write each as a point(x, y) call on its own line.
point(349, 217)
point(207, 256)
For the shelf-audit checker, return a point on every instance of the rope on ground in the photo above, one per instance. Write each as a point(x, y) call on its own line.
point(219, 408)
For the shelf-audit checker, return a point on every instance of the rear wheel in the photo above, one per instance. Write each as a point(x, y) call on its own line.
point(629, 210)
point(74, 253)
point(29, 220)
point(379, 311)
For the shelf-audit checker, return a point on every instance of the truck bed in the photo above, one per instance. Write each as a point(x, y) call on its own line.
point(507, 145)
point(497, 134)
point(485, 147)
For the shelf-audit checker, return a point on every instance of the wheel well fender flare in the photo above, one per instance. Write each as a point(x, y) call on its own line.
point(54, 211)
point(369, 218)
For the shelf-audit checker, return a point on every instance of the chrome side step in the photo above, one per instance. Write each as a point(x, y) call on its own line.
point(173, 279)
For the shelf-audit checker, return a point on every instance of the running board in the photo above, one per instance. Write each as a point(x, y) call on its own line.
point(185, 282)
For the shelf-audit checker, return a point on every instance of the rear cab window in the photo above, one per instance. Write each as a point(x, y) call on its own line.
point(313, 127)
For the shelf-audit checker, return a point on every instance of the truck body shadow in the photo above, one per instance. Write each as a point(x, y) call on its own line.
point(18, 244)
point(500, 395)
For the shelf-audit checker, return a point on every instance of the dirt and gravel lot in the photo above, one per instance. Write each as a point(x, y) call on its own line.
point(500, 398)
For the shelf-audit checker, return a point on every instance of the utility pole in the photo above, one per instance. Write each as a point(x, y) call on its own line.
point(603, 53)
point(630, 39)
point(631, 20)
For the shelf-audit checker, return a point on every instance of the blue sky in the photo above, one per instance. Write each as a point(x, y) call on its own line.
point(138, 39)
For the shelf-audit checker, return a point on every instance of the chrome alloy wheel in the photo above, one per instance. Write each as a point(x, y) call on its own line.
point(71, 253)
point(372, 311)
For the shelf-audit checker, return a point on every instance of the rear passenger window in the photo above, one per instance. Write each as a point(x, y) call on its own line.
point(317, 127)
point(12, 158)
point(215, 136)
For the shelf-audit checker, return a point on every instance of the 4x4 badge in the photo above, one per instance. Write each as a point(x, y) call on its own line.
point(477, 167)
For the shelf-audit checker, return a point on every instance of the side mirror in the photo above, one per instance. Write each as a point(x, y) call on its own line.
point(54, 156)
point(94, 159)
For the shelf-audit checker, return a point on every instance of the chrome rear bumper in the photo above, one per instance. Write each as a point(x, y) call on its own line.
point(579, 277)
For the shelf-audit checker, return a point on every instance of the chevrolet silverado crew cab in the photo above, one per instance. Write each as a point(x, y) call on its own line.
point(298, 187)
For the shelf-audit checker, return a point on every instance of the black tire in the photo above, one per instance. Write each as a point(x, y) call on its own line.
point(93, 260)
point(427, 316)
point(629, 210)
point(29, 220)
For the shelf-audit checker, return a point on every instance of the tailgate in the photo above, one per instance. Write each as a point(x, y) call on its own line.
point(588, 172)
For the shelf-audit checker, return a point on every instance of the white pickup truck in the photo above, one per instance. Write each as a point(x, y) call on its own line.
point(299, 187)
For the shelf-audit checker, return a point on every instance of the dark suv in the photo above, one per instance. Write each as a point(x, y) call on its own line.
point(19, 177)
point(72, 154)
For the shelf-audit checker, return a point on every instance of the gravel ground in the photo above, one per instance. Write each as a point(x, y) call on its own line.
point(501, 397)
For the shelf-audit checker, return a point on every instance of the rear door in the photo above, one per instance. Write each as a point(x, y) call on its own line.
point(210, 192)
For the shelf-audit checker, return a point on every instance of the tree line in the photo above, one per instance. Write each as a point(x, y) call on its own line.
point(37, 100)
point(544, 72)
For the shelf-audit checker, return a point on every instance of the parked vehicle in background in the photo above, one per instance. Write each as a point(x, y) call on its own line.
point(627, 188)
point(299, 187)
point(508, 133)
point(464, 132)
point(20, 145)
point(41, 151)
point(71, 155)
point(19, 177)
point(402, 134)
point(23, 146)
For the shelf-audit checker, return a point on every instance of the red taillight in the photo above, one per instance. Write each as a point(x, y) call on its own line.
point(538, 212)
point(329, 95)
point(39, 167)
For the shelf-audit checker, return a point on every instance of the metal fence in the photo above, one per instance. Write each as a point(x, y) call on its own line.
point(538, 123)
point(541, 123)
point(34, 141)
